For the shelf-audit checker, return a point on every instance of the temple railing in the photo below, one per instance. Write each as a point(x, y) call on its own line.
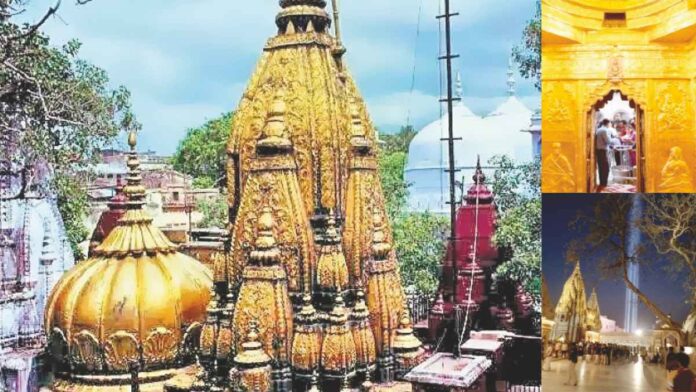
point(419, 305)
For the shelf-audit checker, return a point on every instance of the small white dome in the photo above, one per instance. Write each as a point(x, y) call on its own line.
point(501, 132)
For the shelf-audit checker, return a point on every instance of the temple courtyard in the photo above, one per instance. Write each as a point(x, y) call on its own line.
point(625, 376)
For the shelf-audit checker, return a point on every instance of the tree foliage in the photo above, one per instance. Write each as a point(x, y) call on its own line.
point(202, 155)
point(419, 238)
point(55, 108)
point(518, 232)
point(214, 212)
point(668, 222)
point(528, 53)
point(398, 142)
point(391, 170)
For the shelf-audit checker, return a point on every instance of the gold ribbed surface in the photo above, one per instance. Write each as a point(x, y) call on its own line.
point(136, 299)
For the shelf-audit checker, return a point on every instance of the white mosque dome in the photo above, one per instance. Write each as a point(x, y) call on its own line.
point(508, 122)
point(500, 132)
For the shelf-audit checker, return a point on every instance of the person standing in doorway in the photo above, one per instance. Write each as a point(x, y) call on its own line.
point(602, 143)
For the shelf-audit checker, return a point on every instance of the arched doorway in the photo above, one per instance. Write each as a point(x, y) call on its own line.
point(626, 156)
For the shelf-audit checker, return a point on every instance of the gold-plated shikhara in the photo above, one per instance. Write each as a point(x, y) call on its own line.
point(263, 296)
point(642, 48)
point(570, 320)
point(593, 318)
point(303, 149)
point(136, 300)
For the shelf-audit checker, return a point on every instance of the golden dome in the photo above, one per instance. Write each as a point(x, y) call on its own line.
point(135, 299)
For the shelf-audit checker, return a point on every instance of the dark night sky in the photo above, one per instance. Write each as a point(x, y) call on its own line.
point(558, 211)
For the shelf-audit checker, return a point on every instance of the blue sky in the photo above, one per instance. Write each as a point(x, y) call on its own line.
point(186, 61)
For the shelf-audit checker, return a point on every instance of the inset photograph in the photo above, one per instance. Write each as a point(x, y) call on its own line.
point(618, 83)
point(618, 292)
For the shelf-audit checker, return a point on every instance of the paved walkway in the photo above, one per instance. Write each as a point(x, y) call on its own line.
point(628, 377)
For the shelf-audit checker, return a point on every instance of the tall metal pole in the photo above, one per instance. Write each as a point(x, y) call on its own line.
point(337, 21)
point(448, 56)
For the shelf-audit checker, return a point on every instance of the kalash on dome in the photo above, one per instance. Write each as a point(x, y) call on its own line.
point(309, 296)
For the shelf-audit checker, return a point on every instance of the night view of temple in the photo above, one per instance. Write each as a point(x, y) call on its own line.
point(306, 294)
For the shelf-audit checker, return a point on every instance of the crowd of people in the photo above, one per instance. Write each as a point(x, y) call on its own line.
point(680, 378)
point(614, 141)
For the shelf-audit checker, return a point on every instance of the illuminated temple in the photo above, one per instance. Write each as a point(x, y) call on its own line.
point(641, 50)
point(571, 315)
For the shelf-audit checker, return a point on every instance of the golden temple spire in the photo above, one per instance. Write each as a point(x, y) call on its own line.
point(263, 296)
point(253, 363)
point(266, 251)
point(358, 141)
point(594, 321)
point(380, 247)
point(407, 348)
point(303, 16)
point(338, 354)
point(134, 190)
point(274, 134)
point(362, 335)
point(332, 270)
point(306, 346)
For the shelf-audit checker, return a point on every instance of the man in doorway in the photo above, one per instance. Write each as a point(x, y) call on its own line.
point(620, 133)
point(602, 143)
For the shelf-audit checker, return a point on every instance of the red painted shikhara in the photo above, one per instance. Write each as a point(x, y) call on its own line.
point(476, 253)
point(472, 226)
point(110, 217)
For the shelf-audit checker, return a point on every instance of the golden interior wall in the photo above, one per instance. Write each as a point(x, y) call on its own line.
point(584, 60)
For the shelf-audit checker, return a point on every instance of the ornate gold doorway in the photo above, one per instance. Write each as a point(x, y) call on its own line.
point(644, 49)
point(631, 157)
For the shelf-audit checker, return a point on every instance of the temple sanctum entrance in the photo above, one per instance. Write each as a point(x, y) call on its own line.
point(625, 156)
point(633, 63)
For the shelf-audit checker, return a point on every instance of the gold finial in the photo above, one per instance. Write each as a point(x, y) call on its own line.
point(274, 133)
point(307, 313)
point(134, 189)
point(314, 383)
point(331, 235)
point(338, 313)
point(252, 352)
point(358, 140)
point(380, 247)
point(266, 250)
point(132, 140)
point(360, 310)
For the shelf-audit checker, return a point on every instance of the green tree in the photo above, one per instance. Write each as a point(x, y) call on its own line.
point(528, 53)
point(391, 170)
point(418, 237)
point(202, 154)
point(56, 108)
point(420, 246)
point(398, 142)
point(214, 212)
point(518, 232)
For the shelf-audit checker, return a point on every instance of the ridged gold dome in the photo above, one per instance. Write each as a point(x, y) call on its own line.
point(135, 300)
